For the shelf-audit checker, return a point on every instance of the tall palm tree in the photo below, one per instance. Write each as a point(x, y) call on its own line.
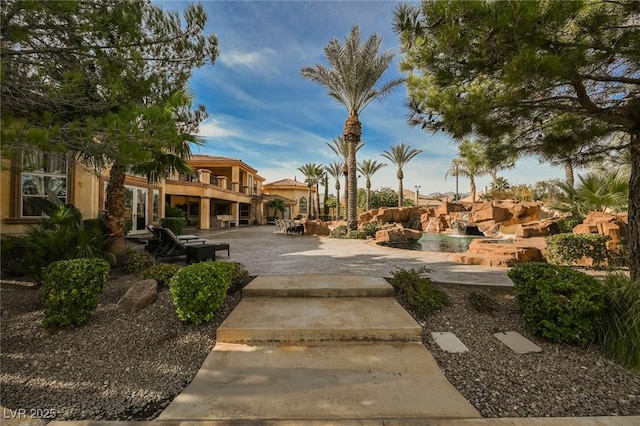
point(351, 79)
point(341, 148)
point(313, 173)
point(470, 163)
point(335, 170)
point(400, 155)
point(368, 168)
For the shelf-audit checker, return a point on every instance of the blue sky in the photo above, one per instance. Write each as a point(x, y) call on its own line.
point(263, 112)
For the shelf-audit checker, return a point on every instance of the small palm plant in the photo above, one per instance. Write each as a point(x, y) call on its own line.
point(400, 155)
point(368, 168)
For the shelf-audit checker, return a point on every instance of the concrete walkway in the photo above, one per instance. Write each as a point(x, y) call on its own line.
point(358, 373)
point(284, 354)
point(264, 252)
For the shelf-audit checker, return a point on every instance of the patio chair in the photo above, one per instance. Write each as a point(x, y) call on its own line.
point(171, 246)
point(155, 242)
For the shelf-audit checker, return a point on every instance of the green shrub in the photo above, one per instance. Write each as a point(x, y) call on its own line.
point(339, 232)
point(558, 302)
point(567, 249)
point(176, 224)
point(136, 261)
point(567, 224)
point(13, 252)
point(162, 273)
point(198, 290)
point(239, 277)
point(620, 326)
point(356, 235)
point(370, 229)
point(70, 290)
point(171, 211)
point(482, 303)
point(417, 289)
point(61, 236)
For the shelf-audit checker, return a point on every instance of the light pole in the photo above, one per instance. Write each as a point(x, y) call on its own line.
point(417, 195)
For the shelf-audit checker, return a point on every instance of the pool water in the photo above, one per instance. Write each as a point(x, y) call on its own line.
point(438, 242)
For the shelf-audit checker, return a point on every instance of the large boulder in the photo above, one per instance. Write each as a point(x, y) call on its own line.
point(447, 208)
point(614, 226)
point(539, 228)
point(397, 234)
point(488, 211)
point(139, 296)
point(315, 227)
point(409, 217)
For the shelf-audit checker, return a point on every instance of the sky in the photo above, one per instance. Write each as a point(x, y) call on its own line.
point(263, 112)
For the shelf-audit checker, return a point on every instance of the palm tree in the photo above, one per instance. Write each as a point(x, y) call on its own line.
point(470, 163)
point(335, 170)
point(354, 71)
point(278, 206)
point(313, 173)
point(597, 191)
point(400, 155)
point(368, 168)
point(340, 147)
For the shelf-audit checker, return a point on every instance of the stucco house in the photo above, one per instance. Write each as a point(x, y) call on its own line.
point(224, 192)
point(299, 198)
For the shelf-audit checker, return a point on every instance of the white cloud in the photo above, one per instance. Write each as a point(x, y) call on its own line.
point(216, 128)
point(257, 60)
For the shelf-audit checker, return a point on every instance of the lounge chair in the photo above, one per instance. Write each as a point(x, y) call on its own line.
point(195, 250)
point(155, 242)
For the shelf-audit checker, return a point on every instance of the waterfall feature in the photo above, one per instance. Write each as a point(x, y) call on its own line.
point(460, 223)
point(433, 225)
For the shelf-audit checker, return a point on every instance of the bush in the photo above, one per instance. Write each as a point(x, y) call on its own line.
point(162, 273)
point(567, 224)
point(567, 249)
point(339, 232)
point(13, 252)
point(482, 303)
point(239, 277)
point(70, 290)
point(136, 261)
point(620, 327)
point(356, 235)
point(62, 236)
point(417, 289)
point(176, 224)
point(370, 229)
point(198, 290)
point(558, 302)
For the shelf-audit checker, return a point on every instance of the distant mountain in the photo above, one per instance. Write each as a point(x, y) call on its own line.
point(450, 194)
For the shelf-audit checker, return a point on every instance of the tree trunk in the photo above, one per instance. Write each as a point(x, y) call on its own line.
point(114, 215)
point(472, 182)
point(309, 202)
point(634, 209)
point(326, 197)
point(568, 172)
point(352, 134)
point(345, 173)
point(368, 192)
point(317, 199)
point(338, 199)
point(400, 176)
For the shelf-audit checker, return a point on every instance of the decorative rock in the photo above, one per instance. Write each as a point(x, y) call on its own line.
point(488, 211)
point(138, 297)
point(397, 234)
point(315, 227)
point(540, 228)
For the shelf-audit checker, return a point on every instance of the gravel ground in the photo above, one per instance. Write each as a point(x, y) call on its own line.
point(129, 367)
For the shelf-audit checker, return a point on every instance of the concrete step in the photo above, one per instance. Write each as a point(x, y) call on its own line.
point(324, 382)
point(318, 286)
point(297, 320)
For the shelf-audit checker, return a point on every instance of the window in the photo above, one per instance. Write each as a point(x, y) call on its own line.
point(156, 206)
point(43, 177)
point(303, 205)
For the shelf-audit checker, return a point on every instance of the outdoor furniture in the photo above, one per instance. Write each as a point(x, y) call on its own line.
point(199, 252)
point(155, 242)
point(170, 246)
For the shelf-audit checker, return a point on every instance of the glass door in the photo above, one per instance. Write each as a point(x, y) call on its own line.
point(135, 209)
